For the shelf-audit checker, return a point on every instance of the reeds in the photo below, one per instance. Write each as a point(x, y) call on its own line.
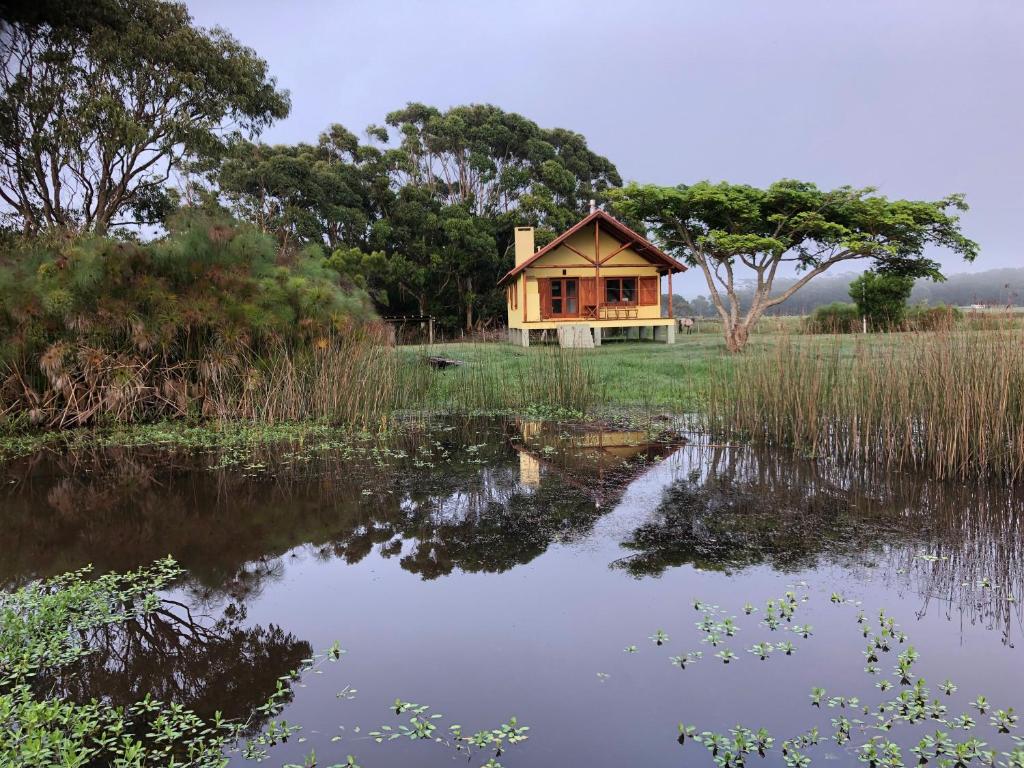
point(357, 379)
point(950, 404)
point(549, 378)
point(353, 379)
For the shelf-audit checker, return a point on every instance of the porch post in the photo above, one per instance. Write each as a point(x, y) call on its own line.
point(524, 336)
point(670, 295)
point(597, 335)
point(597, 268)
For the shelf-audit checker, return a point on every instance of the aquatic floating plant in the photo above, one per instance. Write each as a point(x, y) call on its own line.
point(804, 631)
point(659, 637)
point(761, 650)
point(913, 704)
point(686, 658)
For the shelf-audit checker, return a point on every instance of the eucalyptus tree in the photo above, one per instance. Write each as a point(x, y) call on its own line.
point(483, 172)
point(735, 231)
point(331, 192)
point(101, 102)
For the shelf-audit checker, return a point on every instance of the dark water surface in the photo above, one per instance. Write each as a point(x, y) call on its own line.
point(501, 568)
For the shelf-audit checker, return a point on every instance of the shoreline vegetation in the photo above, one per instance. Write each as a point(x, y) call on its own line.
point(948, 403)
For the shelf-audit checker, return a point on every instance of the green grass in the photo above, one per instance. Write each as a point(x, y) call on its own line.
point(497, 378)
point(629, 375)
point(624, 374)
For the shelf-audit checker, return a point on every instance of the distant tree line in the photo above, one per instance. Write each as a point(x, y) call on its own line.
point(991, 288)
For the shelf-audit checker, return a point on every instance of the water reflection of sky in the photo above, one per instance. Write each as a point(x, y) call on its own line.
point(488, 585)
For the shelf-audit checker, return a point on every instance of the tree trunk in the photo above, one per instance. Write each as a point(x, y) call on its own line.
point(736, 336)
point(469, 304)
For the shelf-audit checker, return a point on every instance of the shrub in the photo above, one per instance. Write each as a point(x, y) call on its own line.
point(882, 298)
point(834, 318)
point(96, 328)
point(938, 318)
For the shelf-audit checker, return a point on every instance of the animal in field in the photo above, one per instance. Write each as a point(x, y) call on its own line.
point(687, 324)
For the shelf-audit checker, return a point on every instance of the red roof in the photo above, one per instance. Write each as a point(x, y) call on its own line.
point(614, 227)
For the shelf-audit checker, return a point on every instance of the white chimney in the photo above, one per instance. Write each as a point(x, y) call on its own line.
point(524, 244)
point(593, 205)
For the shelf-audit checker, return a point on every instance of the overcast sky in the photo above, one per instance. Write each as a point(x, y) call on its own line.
point(919, 98)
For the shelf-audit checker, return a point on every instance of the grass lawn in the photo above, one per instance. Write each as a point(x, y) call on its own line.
point(621, 374)
point(624, 374)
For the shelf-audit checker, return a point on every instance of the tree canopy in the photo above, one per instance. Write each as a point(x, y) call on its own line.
point(731, 231)
point(329, 193)
point(101, 102)
point(882, 298)
point(422, 212)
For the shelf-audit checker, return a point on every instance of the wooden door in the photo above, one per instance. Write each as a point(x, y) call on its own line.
point(565, 297)
point(560, 297)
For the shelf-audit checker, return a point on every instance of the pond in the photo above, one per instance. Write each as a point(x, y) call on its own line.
point(549, 572)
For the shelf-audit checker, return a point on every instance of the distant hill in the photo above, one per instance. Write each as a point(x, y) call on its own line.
point(993, 287)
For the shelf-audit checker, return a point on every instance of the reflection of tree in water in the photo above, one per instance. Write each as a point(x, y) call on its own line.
point(493, 531)
point(740, 507)
point(205, 665)
point(442, 501)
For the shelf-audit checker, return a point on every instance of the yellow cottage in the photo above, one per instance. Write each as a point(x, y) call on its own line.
point(599, 274)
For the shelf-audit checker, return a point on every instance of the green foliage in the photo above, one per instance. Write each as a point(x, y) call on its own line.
point(724, 228)
point(423, 216)
point(45, 633)
point(96, 327)
point(882, 298)
point(913, 707)
point(42, 627)
point(423, 726)
point(330, 193)
point(110, 98)
point(834, 318)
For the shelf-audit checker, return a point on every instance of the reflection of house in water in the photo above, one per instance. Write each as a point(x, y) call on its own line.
point(599, 461)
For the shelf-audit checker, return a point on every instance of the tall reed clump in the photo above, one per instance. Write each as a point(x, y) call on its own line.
point(950, 404)
point(354, 379)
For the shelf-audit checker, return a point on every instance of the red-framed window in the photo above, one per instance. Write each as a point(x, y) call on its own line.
point(620, 291)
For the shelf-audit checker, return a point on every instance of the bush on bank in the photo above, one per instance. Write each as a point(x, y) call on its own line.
point(96, 329)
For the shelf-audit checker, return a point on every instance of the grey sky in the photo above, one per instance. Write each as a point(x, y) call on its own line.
point(917, 97)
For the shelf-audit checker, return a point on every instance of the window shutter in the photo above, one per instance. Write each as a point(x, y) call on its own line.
point(648, 289)
point(545, 298)
point(588, 291)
